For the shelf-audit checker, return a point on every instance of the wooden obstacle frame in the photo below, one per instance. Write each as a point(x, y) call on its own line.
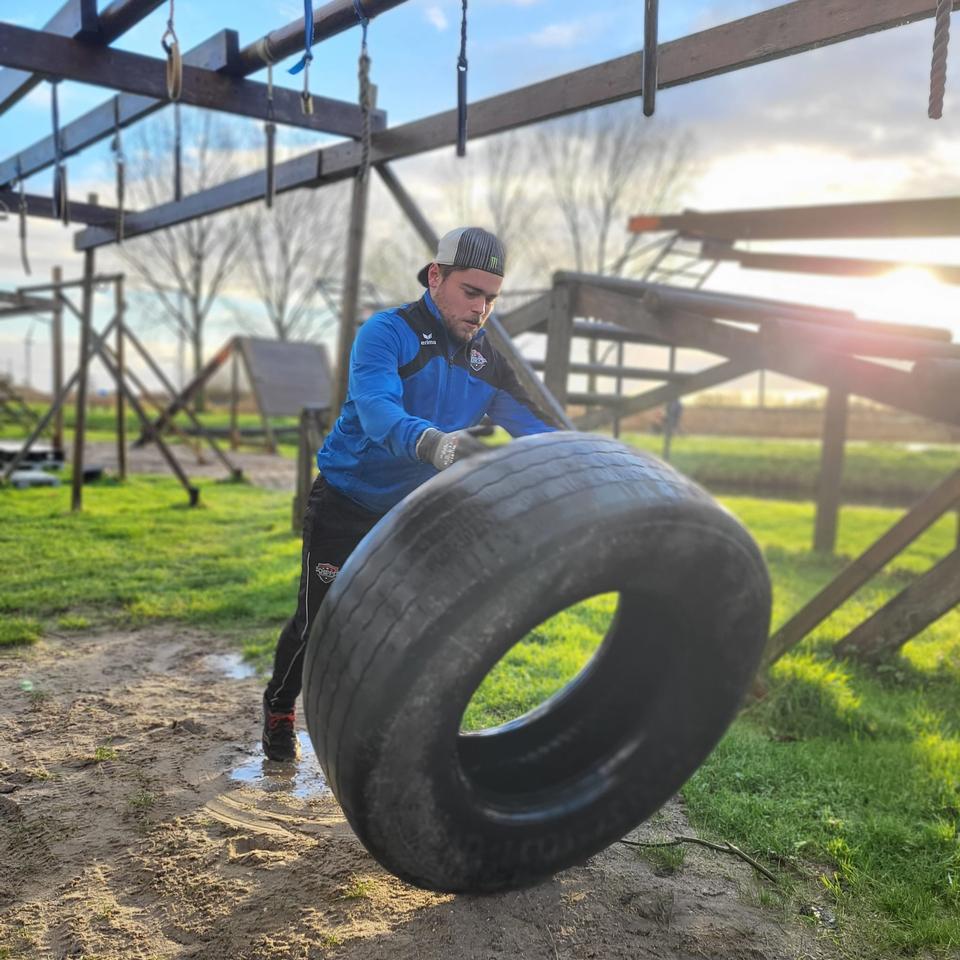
point(129, 388)
point(284, 378)
point(215, 76)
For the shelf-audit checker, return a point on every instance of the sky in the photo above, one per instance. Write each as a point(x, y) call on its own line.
point(840, 124)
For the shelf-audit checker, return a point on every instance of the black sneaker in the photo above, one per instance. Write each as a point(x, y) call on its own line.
point(280, 734)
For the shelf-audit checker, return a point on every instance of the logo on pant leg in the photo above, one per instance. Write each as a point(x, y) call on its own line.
point(327, 572)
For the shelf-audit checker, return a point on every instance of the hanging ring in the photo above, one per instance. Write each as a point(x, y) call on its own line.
point(174, 62)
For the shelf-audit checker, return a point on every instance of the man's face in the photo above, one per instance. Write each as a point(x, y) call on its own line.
point(464, 298)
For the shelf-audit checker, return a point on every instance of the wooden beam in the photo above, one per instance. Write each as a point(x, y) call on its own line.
point(350, 293)
point(534, 386)
point(803, 361)
point(559, 336)
point(860, 340)
point(76, 19)
point(692, 383)
point(328, 21)
point(410, 208)
point(784, 30)
point(927, 217)
point(146, 76)
point(530, 315)
point(38, 206)
point(827, 266)
point(831, 471)
point(217, 53)
point(629, 373)
point(925, 601)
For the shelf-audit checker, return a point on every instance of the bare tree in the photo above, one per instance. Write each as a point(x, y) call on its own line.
point(295, 255)
point(186, 266)
point(601, 167)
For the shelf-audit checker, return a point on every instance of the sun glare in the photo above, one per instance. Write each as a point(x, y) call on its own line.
point(904, 295)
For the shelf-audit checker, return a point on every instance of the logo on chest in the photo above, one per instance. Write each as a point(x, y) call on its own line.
point(477, 360)
point(427, 340)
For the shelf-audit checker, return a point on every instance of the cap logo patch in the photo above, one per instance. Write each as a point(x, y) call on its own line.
point(477, 360)
point(494, 262)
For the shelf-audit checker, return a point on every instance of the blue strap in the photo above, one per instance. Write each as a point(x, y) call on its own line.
point(362, 19)
point(307, 37)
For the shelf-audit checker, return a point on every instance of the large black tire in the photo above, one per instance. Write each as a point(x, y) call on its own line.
point(459, 572)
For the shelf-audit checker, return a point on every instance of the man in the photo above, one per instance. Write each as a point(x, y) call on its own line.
point(422, 376)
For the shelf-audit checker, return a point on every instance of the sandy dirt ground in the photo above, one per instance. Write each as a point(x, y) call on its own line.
point(139, 820)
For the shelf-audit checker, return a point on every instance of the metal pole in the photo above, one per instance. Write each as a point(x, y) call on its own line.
point(79, 430)
point(121, 409)
point(57, 357)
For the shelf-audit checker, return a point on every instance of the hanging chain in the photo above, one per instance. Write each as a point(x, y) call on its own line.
point(270, 128)
point(171, 46)
point(363, 75)
point(462, 85)
point(938, 67)
point(22, 210)
point(116, 145)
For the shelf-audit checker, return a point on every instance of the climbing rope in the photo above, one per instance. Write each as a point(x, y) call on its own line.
point(306, 101)
point(270, 129)
point(462, 85)
point(177, 154)
point(22, 210)
point(363, 75)
point(116, 145)
point(938, 67)
point(171, 46)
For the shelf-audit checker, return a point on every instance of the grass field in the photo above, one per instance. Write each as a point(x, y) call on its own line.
point(885, 473)
point(844, 780)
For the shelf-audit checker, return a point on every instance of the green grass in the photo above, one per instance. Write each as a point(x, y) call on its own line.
point(873, 472)
point(852, 774)
point(137, 553)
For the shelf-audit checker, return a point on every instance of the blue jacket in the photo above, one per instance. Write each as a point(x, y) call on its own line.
point(407, 374)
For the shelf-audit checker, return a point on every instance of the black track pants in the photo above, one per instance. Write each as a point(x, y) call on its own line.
point(333, 525)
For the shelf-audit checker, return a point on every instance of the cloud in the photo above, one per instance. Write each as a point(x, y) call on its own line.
point(559, 35)
point(436, 17)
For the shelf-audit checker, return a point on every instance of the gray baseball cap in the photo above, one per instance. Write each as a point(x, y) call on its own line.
point(468, 247)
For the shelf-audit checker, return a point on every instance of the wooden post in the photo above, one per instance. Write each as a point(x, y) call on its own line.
point(234, 401)
point(620, 364)
point(57, 357)
point(559, 336)
point(121, 407)
point(351, 290)
point(831, 470)
point(80, 429)
point(667, 422)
